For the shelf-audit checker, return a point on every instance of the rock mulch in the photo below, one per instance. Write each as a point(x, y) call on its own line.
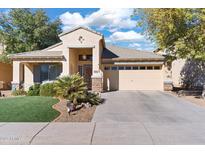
point(198, 100)
point(81, 115)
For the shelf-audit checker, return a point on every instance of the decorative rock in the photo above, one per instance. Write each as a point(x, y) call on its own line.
point(168, 86)
point(87, 105)
point(70, 106)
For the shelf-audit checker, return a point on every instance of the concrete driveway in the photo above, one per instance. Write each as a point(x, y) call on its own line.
point(126, 117)
point(148, 117)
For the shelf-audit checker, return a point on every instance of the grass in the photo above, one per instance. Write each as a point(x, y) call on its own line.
point(28, 109)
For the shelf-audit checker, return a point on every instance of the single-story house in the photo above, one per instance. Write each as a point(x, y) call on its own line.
point(103, 67)
point(5, 72)
point(5, 76)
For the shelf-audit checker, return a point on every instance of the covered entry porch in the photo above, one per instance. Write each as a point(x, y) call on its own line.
point(81, 62)
point(29, 73)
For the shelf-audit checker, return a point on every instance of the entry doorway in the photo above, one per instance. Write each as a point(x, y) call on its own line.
point(86, 71)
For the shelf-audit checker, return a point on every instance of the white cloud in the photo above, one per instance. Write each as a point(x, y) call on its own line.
point(126, 36)
point(146, 46)
point(112, 19)
point(134, 45)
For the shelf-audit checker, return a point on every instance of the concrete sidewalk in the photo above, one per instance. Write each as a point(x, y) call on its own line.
point(102, 133)
point(46, 133)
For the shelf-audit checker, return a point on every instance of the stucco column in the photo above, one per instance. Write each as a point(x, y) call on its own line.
point(16, 75)
point(65, 63)
point(97, 75)
point(28, 76)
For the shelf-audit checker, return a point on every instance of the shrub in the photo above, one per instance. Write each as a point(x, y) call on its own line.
point(71, 87)
point(47, 89)
point(19, 92)
point(92, 98)
point(34, 90)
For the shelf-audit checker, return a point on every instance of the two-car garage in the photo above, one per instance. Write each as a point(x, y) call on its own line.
point(133, 78)
point(130, 69)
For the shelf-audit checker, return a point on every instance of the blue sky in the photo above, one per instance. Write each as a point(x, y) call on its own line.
point(116, 25)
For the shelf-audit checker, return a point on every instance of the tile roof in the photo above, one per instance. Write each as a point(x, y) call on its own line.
point(45, 53)
point(110, 52)
point(115, 52)
point(38, 54)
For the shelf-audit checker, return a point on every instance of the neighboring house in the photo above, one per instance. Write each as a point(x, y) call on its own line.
point(103, 67)
point(186, 73)
point(5, 72)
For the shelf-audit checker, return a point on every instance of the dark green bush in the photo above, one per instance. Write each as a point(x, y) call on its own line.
point(47, 89)
point(19, 92)
point(34, 90)
point(92, 98)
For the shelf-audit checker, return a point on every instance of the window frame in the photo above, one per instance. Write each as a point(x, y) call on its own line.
point(149, 67)
point(140, 67)
point(114, 67)
point(157, 68)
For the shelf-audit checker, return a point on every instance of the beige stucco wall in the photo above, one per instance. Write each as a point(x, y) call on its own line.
point(111, 80)
point(5, 74)
point(74, 58)
point(16, 72)
point(57, 48)
point(89, 40)
point(28, 75)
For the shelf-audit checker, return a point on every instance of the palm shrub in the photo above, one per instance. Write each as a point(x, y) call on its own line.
point(91, 98)
point(71, 87)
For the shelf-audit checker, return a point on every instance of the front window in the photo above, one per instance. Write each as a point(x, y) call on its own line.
point(44, 69)
point(49, 71)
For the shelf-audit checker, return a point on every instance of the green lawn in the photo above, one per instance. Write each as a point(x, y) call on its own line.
point(28, 109)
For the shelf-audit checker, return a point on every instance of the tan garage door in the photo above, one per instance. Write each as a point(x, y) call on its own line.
point(133, 80)
point(140, 80)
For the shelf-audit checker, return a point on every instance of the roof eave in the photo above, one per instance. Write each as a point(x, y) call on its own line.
point(74, 29)
point(37, 57)
point(133, 59)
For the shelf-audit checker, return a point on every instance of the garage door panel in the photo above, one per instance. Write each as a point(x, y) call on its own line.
point(140, 80)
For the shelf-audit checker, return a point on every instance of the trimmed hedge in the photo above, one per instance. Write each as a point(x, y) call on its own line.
point(34, 90)
point(47, 89)
point(19, 92)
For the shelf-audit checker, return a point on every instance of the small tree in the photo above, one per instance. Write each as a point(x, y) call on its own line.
point(27, 30)
point(71, 87)
point(179, 31)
